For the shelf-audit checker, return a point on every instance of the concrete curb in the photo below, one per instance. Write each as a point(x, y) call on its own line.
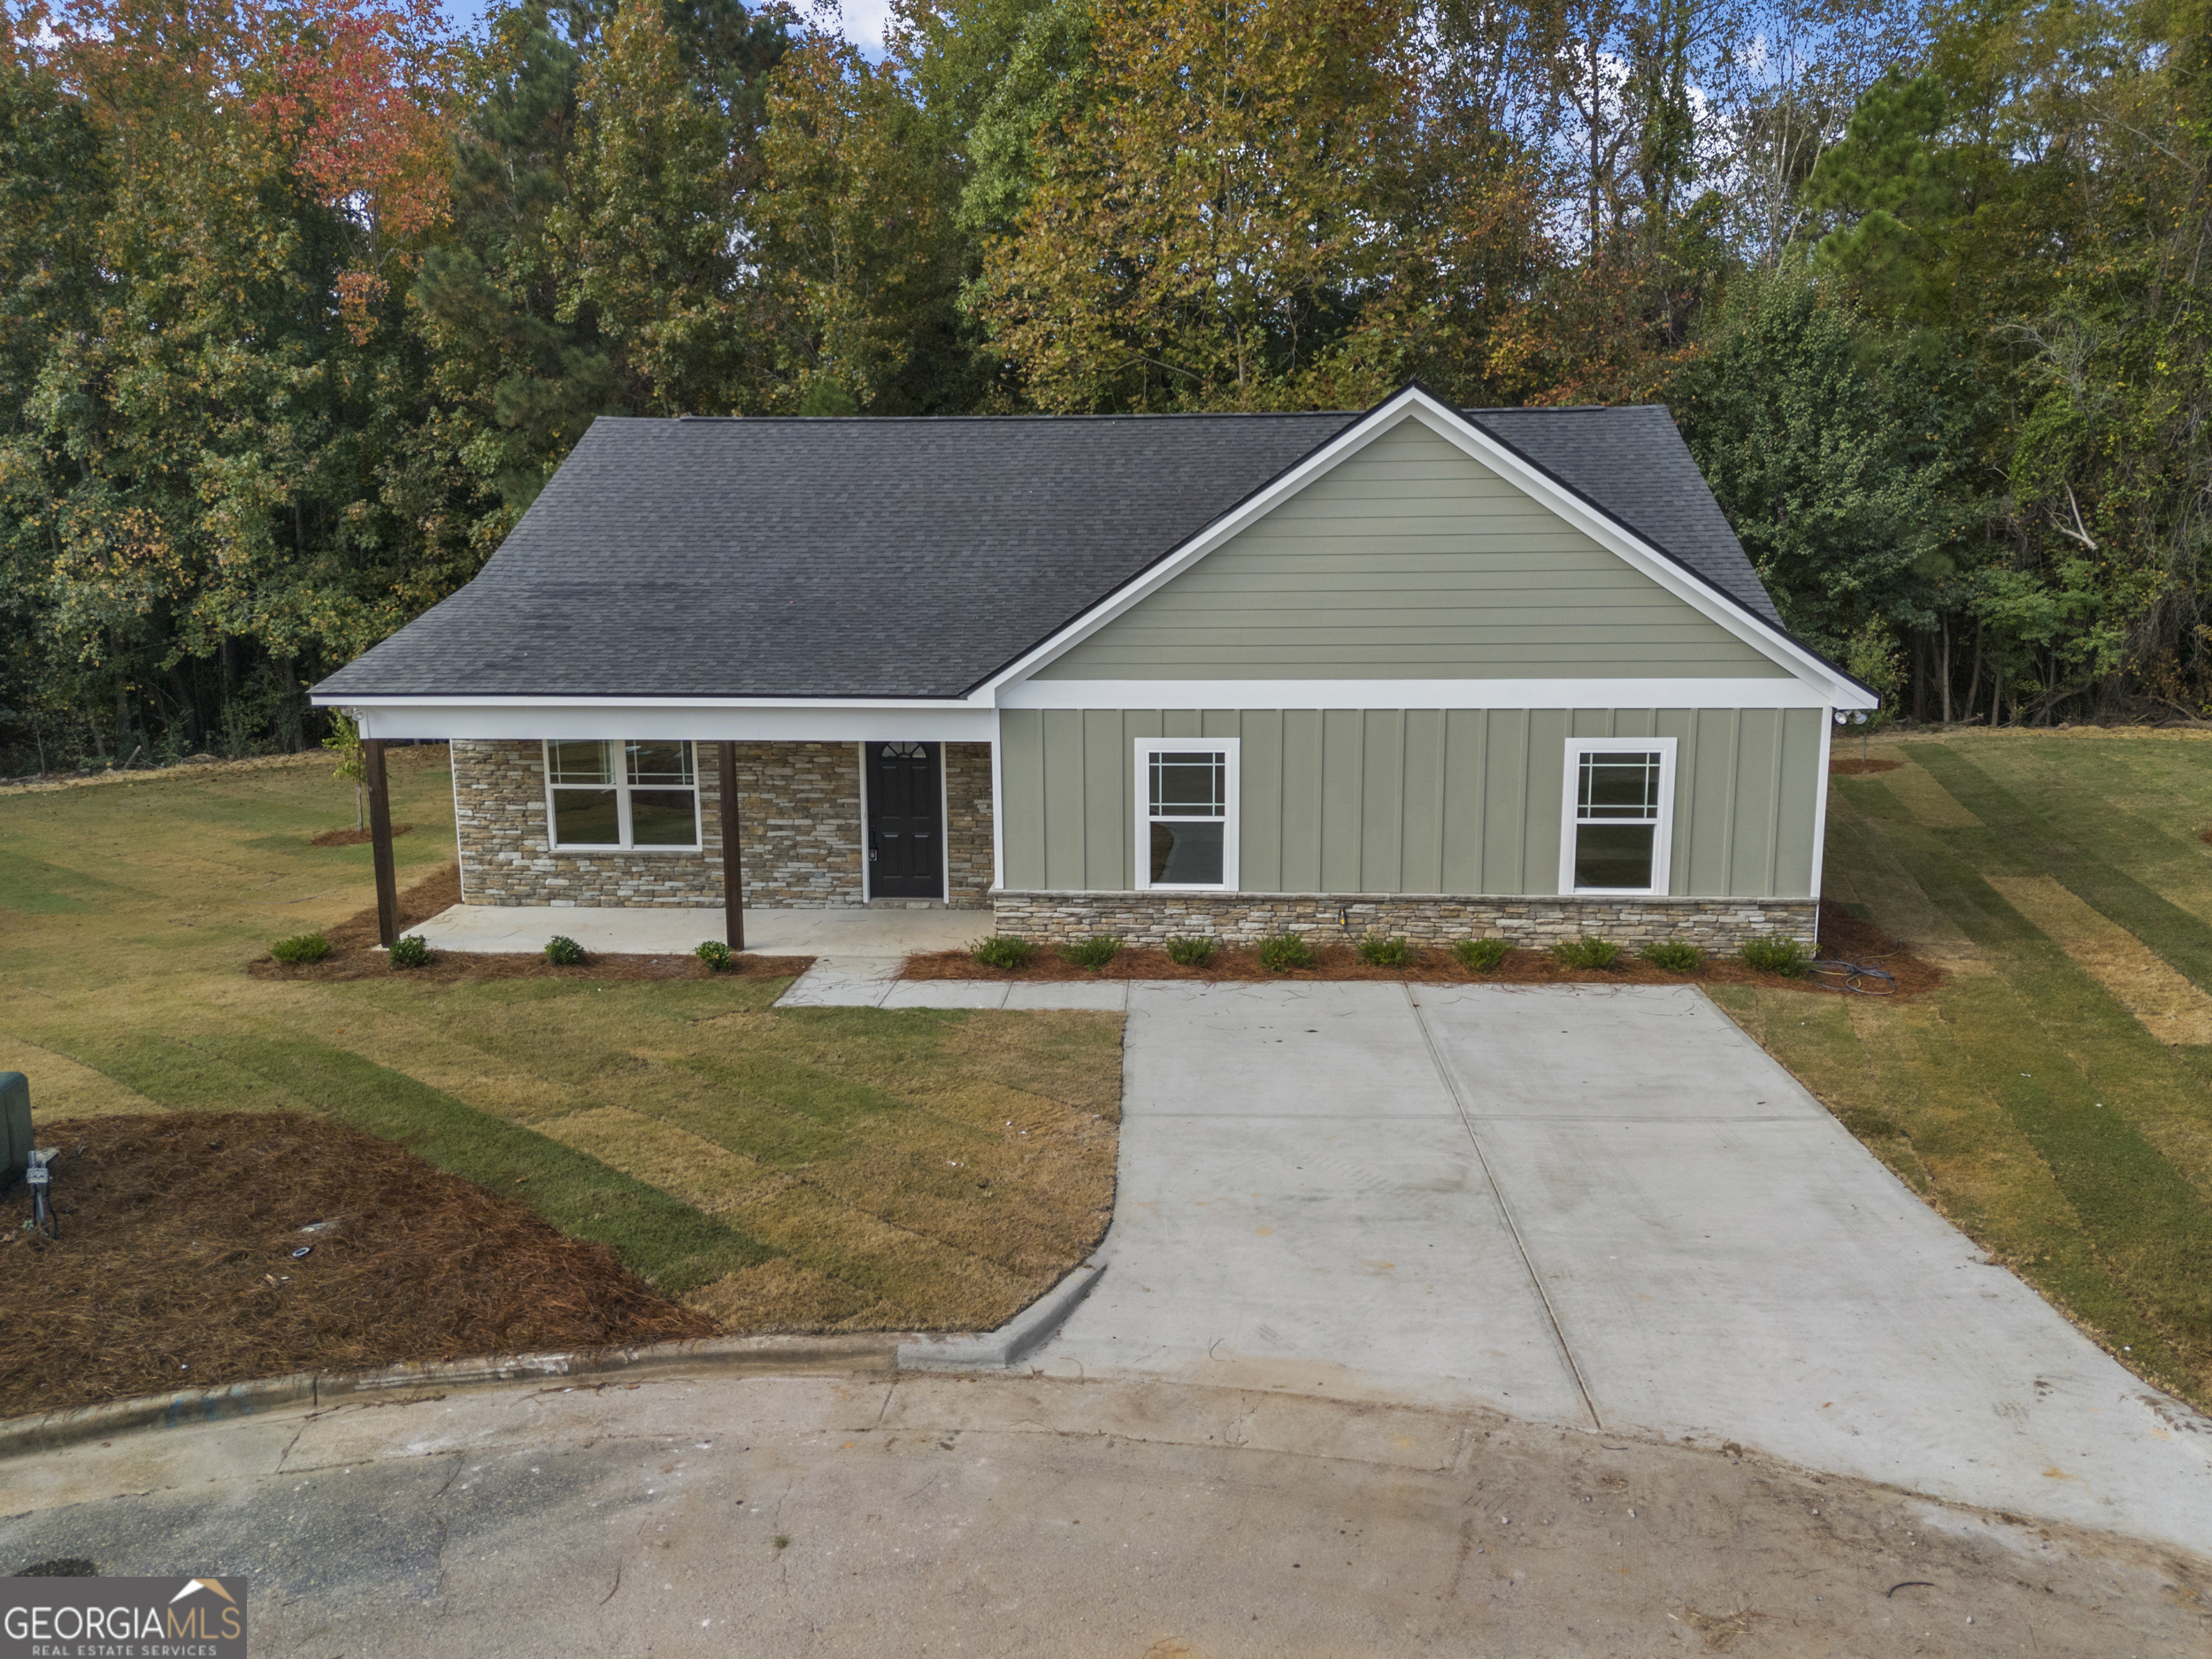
point(996, 1350)
point(778, 1355)
point(993, 1350)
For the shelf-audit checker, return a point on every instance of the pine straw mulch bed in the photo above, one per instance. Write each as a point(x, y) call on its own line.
point(354, 954)
point(174, 1266)
point(1842, 935)
point(1858, 766)
point(354, 837)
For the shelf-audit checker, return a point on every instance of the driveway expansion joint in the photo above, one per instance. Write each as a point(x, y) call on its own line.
point(1536, 1279)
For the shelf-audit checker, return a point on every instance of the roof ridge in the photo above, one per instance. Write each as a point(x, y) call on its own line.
point(916, 420)
point(1038, 417)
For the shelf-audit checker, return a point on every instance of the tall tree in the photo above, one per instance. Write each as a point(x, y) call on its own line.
point(1235, 216)
point(209, 455)
point(858, 230)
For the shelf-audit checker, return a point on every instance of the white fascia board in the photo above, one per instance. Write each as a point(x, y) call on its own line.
point(1413, 403)
point(1768, 692)
point(650, 718)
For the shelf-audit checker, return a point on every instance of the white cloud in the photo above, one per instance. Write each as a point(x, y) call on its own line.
point(865, 23)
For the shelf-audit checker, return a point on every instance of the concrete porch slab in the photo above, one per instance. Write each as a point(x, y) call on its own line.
point(853, 930)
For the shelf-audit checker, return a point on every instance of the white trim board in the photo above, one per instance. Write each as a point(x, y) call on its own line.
point(1413, 403)
point(1773, 691)
point(1820, 803)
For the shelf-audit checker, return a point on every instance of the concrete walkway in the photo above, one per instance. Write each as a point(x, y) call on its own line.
point(1603, 1207)
point(874, 982)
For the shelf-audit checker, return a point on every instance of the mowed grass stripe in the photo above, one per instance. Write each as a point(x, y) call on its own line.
point(668, 1243)
point(2031, 841)
point(2160, 1089)
point(1946, 1133)
point(2152, 1229)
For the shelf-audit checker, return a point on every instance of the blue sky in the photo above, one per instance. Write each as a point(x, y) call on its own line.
point(863, 21)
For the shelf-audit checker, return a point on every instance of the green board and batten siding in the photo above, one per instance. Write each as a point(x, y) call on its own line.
point(1413, 560)
point(1414, 801)
point(1410, 560)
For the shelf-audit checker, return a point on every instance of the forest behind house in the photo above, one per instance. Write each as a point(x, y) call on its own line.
point(301, 304)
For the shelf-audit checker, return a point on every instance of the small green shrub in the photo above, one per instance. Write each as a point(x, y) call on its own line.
point(1279, 953)
point(412, 952)
point(1779, 955)
point(301, 948)
point(1003, 950)
point(1094, 952)
point(563, 952)
point(1676, 955)
point(714, 953)
point(1379, 952)
point(1587, 952)
point(1192, 952)
point(1481, 955)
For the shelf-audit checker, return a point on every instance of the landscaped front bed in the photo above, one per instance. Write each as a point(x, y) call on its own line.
point(351, 951)
point(761, 1169)
point(1844, 937)
point(198, 1249)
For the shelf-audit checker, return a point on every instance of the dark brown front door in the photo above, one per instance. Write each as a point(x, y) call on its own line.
point(906, 855)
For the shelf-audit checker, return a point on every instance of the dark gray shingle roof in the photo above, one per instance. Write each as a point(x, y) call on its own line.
point(911, 557)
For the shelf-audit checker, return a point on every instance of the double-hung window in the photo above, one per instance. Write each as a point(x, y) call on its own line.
point(608, 796)
point(1614, 827)
point(1187, 812)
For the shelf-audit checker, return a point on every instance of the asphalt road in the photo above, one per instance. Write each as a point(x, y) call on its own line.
point(947, 1516)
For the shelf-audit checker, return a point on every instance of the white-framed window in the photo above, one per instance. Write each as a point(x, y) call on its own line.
point(1616, 827)
point(642, 795)
point(1187, 812)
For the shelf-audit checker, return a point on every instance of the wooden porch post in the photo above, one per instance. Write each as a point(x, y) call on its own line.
point(380, 840)
point(733, 862)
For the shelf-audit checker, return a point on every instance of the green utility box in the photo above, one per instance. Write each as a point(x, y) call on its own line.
point(15, 1127)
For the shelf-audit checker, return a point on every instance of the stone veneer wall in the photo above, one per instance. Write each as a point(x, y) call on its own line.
point(1151, 918)
point(971, 858)
point(800, 826)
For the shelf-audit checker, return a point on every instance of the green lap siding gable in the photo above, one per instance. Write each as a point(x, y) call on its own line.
point(1412, 801)
point(1410, 560)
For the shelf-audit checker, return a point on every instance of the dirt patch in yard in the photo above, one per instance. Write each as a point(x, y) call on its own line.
point(1842, 935)
point(174, 1267)
point(1857, 766)
point(354, 954)
point(355, 837)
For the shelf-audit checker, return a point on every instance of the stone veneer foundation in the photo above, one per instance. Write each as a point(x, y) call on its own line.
point(800, 812)
point(1151, 918)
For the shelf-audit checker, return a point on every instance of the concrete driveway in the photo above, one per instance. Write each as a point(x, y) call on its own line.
point(1603, 1207)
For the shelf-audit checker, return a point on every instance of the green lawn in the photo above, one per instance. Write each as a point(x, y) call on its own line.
point(2052, 1098)
point(823, 1168)
point(778, 1170)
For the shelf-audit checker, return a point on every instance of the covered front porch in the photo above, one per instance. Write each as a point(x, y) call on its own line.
point(632, 833)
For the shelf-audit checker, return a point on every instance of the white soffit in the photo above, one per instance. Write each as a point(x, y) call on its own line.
point(1413, 403)
point(534, 717)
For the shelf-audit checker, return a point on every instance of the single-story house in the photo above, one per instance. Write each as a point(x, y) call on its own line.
point(1424, 670)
